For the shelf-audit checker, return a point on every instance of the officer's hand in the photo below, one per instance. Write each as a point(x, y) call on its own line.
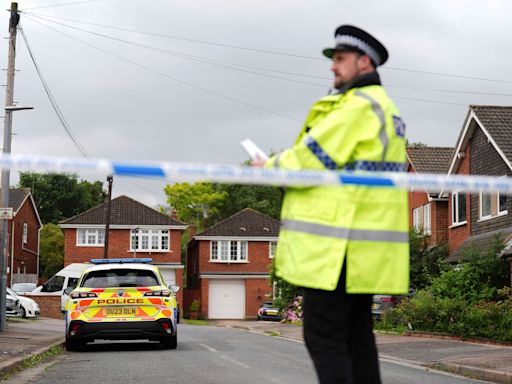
point(258, 162)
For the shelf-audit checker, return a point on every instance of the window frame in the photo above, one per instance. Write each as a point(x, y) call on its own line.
point(95, 233)
point(427, 213)
point(455, 208)
point(224, 252)
point(145, 237)
point(25, 234)
point(272, 244)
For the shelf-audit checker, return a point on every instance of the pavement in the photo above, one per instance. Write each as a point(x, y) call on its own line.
point(478, 360)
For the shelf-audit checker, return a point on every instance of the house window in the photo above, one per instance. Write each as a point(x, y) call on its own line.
point(492, 205)
point(272, 249)
point(90, 237)
point(151, 240)
point(427, 230)
point(416, 219)
point(232, 251)
point(485, 205)
point(25, 233)
point(458, 208)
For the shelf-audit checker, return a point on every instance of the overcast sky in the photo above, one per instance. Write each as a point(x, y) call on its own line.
point(132, 95)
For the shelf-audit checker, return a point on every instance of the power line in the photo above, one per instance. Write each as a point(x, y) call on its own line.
point(62, 4)
point(433, 73)
point(165, 75)
point(53, 102)
point(161, 50)
point(184, 56)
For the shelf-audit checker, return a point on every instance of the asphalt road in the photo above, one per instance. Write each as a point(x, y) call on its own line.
point(209, 354)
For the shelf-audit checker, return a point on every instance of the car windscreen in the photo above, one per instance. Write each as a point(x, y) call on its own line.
point(114, 278)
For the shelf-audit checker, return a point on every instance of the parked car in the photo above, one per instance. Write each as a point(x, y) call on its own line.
point(21, 288)
point(268, 311)
point(28, 307)
point(381, 304)
point(12, 305)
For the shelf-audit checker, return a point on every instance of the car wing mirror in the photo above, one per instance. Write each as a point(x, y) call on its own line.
point(174, 288)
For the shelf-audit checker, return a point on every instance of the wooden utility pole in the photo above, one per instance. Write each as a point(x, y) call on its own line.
point(9, 95)
point(110, 179)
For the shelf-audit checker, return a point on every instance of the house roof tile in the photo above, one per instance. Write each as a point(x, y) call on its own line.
point(497, 120)
point(430, 159)
point(124, 211)
point(246, 223)
point(482, 242)
point(16, 197)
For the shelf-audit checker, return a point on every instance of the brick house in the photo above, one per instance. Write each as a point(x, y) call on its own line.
point(228, 266)
point(428, 210)
point(484, 147)
point(136, 230)
point(23, 234)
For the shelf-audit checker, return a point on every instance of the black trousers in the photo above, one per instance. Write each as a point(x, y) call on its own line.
point(339, 336)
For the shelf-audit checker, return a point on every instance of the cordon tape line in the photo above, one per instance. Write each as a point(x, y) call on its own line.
point(180, 172)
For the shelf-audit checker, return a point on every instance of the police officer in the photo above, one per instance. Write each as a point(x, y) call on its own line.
point(345, 243)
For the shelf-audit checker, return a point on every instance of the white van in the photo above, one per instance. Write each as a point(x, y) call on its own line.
point(66, 277)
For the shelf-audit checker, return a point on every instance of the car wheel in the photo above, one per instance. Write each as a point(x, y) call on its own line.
point(170, 342)
point(74, 345)
point(23, 313)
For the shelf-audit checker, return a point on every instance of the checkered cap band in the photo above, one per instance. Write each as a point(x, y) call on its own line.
point(360, 44)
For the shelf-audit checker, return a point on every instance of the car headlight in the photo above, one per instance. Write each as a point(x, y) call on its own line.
point(10, 301)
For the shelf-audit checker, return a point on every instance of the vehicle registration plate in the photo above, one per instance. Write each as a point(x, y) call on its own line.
point(271, 312)
point(120, 311)
point(375, 306)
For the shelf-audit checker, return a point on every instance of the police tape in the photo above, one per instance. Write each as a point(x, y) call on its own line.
point(192, 172)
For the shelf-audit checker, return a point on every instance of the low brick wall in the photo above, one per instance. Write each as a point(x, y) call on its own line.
point(48, 304)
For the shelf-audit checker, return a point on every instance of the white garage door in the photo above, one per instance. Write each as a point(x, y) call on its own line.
point(226, 299)
point(169, 275)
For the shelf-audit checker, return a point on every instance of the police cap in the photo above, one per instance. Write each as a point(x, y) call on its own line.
point(350, 38)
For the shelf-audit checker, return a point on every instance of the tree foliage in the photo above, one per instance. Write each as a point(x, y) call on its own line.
point(195, 203)
point(427, 262)
point(59, 196)
point(263, 198)
point(51, 250)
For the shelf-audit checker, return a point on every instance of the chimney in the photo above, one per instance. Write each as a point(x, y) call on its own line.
point(191, 231)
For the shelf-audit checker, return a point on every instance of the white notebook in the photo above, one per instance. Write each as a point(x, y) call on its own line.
point(253, 150)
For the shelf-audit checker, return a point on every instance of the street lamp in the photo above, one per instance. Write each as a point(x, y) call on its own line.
point(135, 240)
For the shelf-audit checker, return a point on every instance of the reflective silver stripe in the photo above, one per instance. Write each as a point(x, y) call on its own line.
point(346, 233)
point(383, 136)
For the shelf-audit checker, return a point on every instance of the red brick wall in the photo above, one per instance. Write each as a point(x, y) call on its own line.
point(203, 299)
point(119, 246)
point(258, 256)
point(439, 213)
point(25, 255)
point(48, 304)
point(457, 235)
point(256, 292)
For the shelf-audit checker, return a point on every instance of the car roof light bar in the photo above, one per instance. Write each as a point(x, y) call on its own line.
point(145, 260)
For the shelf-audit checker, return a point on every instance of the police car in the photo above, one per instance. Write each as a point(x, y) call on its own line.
point(121, 299)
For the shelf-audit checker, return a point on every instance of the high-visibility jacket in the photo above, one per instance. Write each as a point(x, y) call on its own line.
point(324, 226)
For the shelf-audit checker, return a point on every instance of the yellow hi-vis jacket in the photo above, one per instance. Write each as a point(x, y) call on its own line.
point(358, 130)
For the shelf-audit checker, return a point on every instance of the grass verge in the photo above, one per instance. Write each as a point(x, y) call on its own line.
point(33, 361)
point(195, 322)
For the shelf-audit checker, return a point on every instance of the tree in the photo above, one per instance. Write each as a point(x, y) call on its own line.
point(59, 196)
point(195, 203)
point(51, 251)
point(262, 198)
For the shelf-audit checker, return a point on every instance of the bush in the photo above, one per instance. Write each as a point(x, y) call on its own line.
point(468, 300)
point(293, 312)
